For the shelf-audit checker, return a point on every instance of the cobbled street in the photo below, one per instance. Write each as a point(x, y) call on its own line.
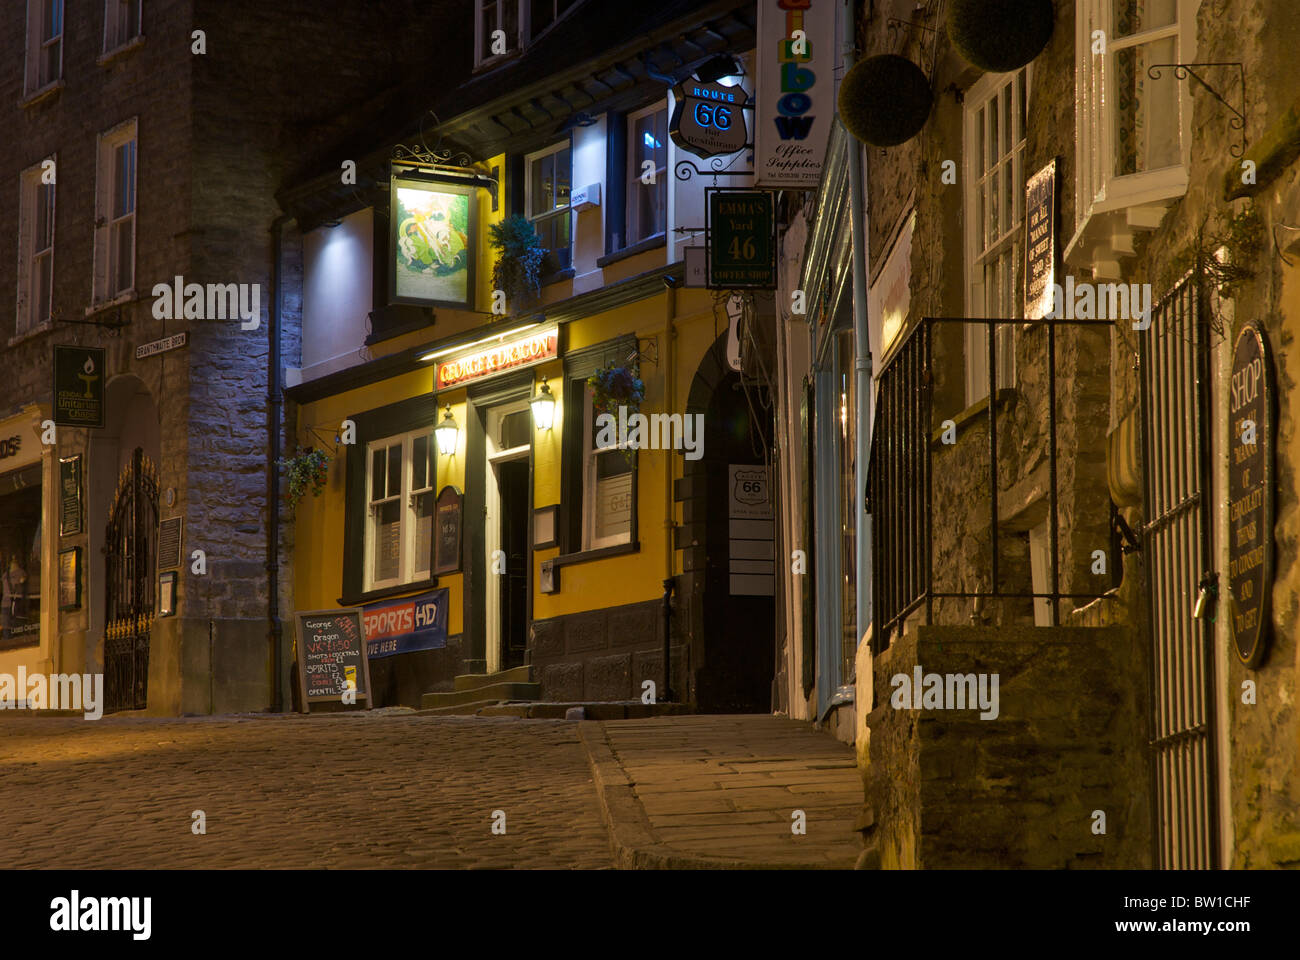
point(348, 791)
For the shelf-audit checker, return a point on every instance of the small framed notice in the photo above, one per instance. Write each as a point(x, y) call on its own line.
point(447, 518)
point(546, 527)
point(167, 594)
point(70, 579)
point(70, 496)
point(169, 543)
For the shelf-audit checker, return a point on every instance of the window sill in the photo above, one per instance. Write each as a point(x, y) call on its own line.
point(559, 276)
point(586, 556)
point(36, 331)
point(104, 306)
point(500, 60)
point(653, 243)
point(1109, 227)
point(108, 56)
point(44, 93)
point(977, 412)
point(352, 600)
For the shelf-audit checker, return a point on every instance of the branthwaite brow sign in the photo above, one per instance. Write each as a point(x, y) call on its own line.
point(1250, 489)
point(498, 358)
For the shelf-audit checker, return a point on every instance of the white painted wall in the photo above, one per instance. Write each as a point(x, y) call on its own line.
point(589, 149)
point(337, 294)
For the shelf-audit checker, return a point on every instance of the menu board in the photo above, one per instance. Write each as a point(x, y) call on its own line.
point(331, 656)
point(446, 555)
point(1250, 494)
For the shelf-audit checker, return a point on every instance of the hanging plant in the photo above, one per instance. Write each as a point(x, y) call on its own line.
point(1000, 35)
point(885, 100)
point(307, 468)
point(614, 387)
point(520, 258)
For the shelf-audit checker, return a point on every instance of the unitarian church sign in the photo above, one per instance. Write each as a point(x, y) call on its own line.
point(1250, 487)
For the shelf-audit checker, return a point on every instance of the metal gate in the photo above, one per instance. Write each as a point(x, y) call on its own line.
point(129, 609)
point(1175, 384)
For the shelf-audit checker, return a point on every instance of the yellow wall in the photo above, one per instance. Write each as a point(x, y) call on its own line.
point(628, 578)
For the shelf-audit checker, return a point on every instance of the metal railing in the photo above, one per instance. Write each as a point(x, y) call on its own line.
point(900, 482)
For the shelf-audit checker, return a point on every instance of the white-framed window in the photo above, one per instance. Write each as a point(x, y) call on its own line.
point(35, 245)
point(121, 23)
point(994, 152)
point(400, 494)
point(115, 196)
point(1133, 130)
point(608, 486)
point(549, 182)
point(521, 22)
point(44, 43)
point(647, 143)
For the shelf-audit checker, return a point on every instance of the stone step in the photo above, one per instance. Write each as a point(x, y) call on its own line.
point(494, 691)
point(458, 709)
point(476, 681)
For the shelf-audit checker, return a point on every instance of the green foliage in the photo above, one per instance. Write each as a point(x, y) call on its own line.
point(307, 468)
point(520, 257)
point(885, 100)
point(1242, 236)
point(1000, 35)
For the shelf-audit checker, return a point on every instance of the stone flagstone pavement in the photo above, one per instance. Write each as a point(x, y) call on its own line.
point(701, 792)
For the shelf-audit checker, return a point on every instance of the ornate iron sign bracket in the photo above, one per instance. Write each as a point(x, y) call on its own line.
point(1238, 120)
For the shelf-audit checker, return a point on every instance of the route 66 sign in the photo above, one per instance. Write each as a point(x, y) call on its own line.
point(709, 118)
point(749, 494)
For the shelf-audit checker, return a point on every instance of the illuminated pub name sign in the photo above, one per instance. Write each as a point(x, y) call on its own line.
point(489, 361)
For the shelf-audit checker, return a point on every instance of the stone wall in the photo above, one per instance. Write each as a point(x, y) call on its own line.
point(947, 789)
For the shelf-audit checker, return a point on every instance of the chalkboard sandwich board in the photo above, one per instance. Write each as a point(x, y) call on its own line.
point(332, 657)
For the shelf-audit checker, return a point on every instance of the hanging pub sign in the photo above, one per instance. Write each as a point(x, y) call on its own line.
point(1250, 493)
point(709, 118)
point(434, 238)
point(742, 239)
point(332, 660)
point(406, 625)
point(78, 386)
point(1040, 242)
point(795, 92)
point(483, 362)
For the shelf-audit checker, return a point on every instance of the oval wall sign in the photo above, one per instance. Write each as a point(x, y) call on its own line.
point(1250, 493)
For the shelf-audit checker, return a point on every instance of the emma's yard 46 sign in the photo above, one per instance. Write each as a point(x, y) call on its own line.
point(741, 241)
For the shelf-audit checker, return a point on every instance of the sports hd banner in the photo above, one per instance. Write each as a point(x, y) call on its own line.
point(406, 625)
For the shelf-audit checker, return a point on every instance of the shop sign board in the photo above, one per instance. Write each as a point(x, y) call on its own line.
point(332, 656)
point(78, 386)
point(742, 240)
point(1250, 493)
point(709, 118)
point(406, 624)
point(489, 361)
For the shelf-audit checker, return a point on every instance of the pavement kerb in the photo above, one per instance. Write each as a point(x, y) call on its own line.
point(632, 841)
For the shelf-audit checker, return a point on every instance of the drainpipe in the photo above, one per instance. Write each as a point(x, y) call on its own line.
point(274, 403)
point(862, 349)
point(670, 398)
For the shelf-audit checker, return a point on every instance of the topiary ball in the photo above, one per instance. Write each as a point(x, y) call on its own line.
point(1000, 35)
point(885, 100)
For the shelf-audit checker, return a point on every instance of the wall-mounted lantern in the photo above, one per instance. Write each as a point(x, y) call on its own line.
point(544, 407)
point(447, 433)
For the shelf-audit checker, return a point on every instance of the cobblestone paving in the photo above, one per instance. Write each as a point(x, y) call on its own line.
point(352, 791)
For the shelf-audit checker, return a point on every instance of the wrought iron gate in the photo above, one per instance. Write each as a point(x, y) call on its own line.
point(1175, 372)
point(129, 609)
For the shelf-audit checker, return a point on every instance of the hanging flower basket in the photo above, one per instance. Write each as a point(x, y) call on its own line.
point(1000, 35)
point(520, 259)
point(307, 468)
point(885, 100)
point(614, 387)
